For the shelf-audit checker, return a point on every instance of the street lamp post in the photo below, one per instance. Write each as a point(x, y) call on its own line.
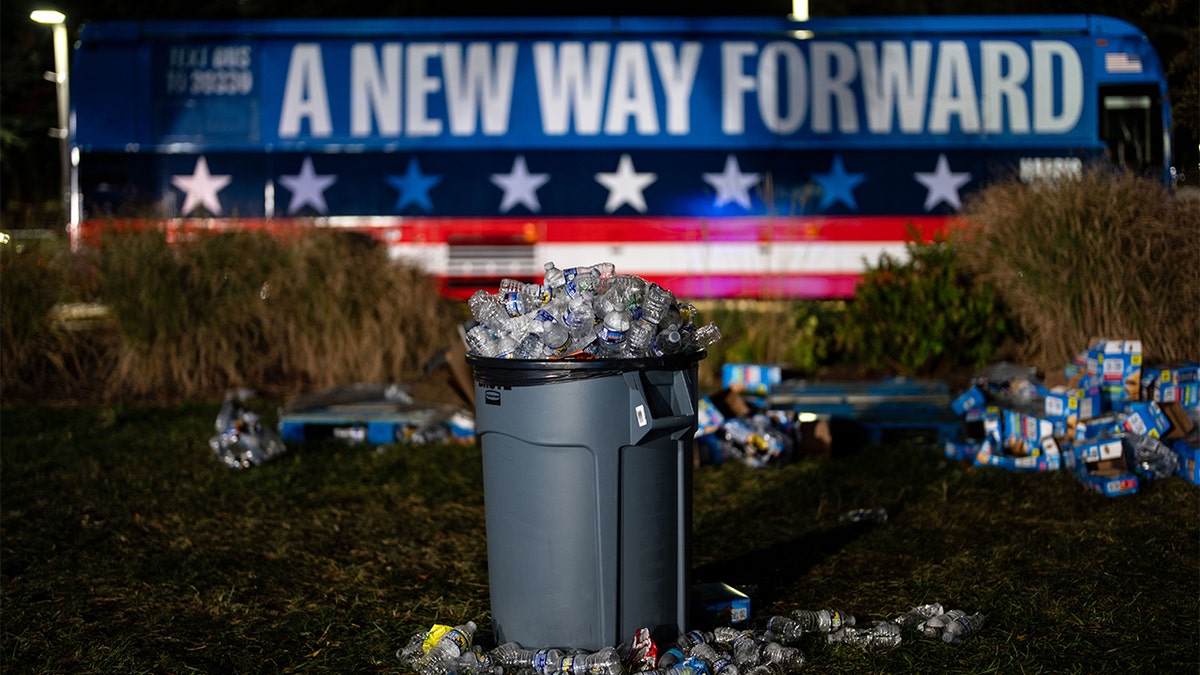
point(61, 79)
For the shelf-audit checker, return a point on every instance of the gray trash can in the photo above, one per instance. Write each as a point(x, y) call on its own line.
point(587, 474)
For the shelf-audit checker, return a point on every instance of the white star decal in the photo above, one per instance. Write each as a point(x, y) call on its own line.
point(520, 186)
point(200, 188)
point(942, 184)
point(625, 186)
point(731, 184)
point(308, 188)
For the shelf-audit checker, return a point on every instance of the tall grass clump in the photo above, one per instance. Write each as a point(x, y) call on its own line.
point(923, 314)
point(1110, 254)
point(36, 351)
point(249, 309)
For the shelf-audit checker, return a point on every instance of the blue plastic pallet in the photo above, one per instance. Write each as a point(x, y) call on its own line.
point(872, 411)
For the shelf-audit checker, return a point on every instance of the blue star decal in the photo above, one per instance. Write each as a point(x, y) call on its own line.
point(838, 186)
point(414, 187)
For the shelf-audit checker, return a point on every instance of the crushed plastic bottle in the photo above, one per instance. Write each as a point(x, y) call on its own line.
point(512, 656)
point(442, 658)
point(917, 615)
point(789, 659)
point(962, 628)
point(242, 439)
point(880, 634)
point(682, 648)
point(603, 662)
point(717, 663)
point(789, 629)
point(878, 515)
point(934, 626)
point(1150, 458)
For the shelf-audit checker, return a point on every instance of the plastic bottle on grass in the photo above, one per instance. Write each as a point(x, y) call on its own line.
point(934, 626)
point(790, 659)
point(604, 662)
point(443, 656)
point(682, 648)
point(513, 657)
point(915, 616)
point(962, 628)
point(881, 634)
point(718, 663)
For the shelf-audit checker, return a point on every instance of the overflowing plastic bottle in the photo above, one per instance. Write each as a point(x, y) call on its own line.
point(583, 312)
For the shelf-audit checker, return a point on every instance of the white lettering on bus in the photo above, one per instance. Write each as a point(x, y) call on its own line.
point(570, 87)
point(476, 89)
point(304, 94)
point(616, 88)
point(889, 81)
point(1045, 53)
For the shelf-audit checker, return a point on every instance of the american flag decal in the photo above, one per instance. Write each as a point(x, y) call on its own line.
point(1122, 62)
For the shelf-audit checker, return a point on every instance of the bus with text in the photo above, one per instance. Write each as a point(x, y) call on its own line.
point(738, 157)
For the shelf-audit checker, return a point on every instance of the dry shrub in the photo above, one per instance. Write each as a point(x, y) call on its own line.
point(1109, 254)
point(38, 353)
point(249, 309)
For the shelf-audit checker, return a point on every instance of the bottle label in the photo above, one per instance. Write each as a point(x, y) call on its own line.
point(435, 634)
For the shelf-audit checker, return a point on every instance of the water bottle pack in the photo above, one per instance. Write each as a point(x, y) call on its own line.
point(584, 312)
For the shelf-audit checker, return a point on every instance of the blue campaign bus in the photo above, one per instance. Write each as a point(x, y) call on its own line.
point(719, 157)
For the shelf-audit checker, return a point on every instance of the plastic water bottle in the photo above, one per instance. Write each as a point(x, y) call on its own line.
point(962, 628)
point(506, 346)
point(790, 659)
point(705, 336)
point(480, 341)
point(881, 634)
point(718, 663)
point(476, 662)
point(511, 655)
point(746, 647)
point(683, 648)
point(669, 341)
point(933, 627)
point(442, 657)
point(610, 337)
point(486, 309)
point(789, 628)
point(640, 339)
point(655, 302)
point(553, 278)
point(604, 662)
point(915, 616)
point(530, 347)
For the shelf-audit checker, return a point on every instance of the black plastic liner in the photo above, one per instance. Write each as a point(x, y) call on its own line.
point(492, 372)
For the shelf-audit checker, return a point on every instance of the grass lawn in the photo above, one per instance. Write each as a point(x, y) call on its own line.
point(125, 546)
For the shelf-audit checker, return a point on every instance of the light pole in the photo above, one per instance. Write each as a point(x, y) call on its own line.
point(62, 82)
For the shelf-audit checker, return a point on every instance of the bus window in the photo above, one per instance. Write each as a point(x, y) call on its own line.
point(1131, 127)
